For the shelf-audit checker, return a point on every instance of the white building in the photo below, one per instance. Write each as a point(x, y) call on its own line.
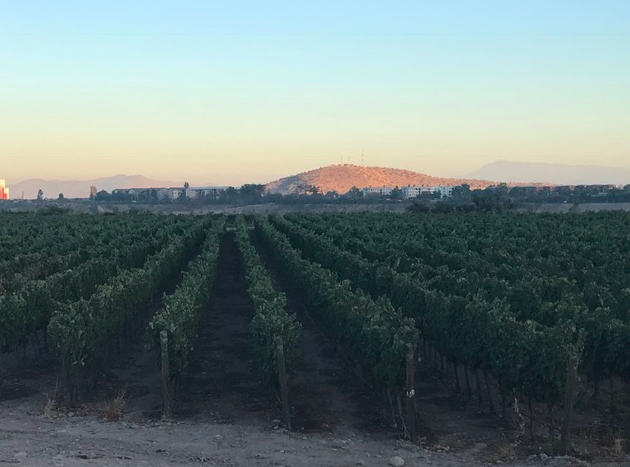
point(211, 192)
point(377, 191)
point(415, 191)
point(133, 193)
point(170, 193)
point(445, 191)
point(173, 193)
point(162, 193)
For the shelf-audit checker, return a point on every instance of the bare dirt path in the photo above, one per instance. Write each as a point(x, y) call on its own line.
point(324, 394)
point(223, 383)
point(31, 439)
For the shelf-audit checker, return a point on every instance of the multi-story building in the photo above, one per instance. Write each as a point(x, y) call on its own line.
point(130, 192)
point(415, 191)
point(595, 189)
point(209, 192)
point(377, 191)
point(4, 191)
point(445, 191)
point(172, 193)
point(411, 191)
point(564, 189)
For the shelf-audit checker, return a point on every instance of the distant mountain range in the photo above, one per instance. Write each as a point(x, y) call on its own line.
point(81, 188)
point(341, 178)
point(558, 174)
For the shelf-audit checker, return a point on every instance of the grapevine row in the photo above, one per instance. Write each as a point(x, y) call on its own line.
point(523, 357)
point(538, 295)
point(270, 318)
point(28, 309)
point(373, 333)
point(80, 330)
point(61, 242)
point(183, 309)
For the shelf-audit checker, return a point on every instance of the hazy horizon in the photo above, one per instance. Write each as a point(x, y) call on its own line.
point(254, 91)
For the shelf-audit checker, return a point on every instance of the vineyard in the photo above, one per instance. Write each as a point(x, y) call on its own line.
point(511, 299)
point(525, 318)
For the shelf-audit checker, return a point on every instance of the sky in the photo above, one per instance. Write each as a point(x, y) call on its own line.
point(237, 92)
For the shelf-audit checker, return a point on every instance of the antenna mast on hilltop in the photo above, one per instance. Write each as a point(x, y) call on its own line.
point(362, 159)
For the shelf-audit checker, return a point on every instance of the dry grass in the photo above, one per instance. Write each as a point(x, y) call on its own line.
point(52, 402)
point(618, 448)
point(505, 453)
point(115, 408)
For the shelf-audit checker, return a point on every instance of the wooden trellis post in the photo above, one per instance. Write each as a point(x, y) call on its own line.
point(166, 377)
point(283, 380)
point(572, 380)
point(410, 394)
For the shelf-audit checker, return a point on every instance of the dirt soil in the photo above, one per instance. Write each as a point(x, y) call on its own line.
point(324, 393)
point(224, 416)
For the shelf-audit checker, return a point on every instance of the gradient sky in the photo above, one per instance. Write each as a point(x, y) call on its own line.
point(233, 92)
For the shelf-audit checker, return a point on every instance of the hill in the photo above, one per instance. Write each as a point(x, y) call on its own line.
point(81, 188)
point(341, 178)
point(559, 174)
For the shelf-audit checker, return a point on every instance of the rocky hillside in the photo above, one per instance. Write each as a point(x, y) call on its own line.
point(341, 178)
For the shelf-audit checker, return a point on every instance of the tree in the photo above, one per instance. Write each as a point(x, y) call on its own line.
point(462, 191)
point(492, 199)
point(313, 190)
point(229, 196)
point(201, 197)
point(102, 196)
point(354, 192)
point(60, 197)
point(442, 207)
point(502, 190)
point(300, 188)
point(396, 193)
point(418, 207)
point(153, 196)
point(183, 195)
point(252, 193)
point(40, 195)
